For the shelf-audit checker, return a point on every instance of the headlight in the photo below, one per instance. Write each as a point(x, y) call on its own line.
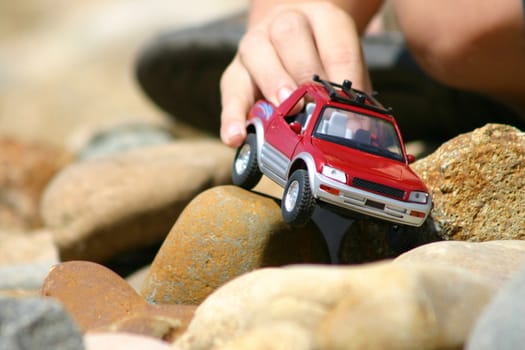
point(334, 173)
point(418, 197)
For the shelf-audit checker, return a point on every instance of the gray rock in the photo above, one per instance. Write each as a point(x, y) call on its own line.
point(501, 325)
point(123, 138)
point(36, 323)
point(24, 276)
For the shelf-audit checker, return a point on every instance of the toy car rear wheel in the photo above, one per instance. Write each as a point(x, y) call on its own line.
point(298, 202)
point(246, 172)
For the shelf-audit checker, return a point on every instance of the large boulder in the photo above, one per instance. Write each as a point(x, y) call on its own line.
point(374, 306)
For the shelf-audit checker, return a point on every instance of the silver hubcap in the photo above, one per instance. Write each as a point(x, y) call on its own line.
point(241, 163)
point(291, 196)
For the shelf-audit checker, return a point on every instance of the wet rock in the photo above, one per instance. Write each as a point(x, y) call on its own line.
point(99, 300)
point(25, 169)
point(476, 181)
point(101, 207)
point(223, 233)
point(494, 260)
point(377, 306)
point(501, 324)
point(36, 323)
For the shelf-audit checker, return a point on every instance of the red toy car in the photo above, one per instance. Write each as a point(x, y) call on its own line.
point(335, 145)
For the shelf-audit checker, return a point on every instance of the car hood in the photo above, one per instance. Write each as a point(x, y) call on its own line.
point(369, 166)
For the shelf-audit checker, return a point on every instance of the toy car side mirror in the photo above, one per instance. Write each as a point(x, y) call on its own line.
point(411, 158)
point(296, 127)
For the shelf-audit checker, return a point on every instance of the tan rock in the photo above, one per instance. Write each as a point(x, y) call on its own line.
point(477, 181)
point(27, 247)
point(25, 170)
point(223, 233)
point(494, 260)
point(25, 259)
point(102, 207)
point(374, 306)
point(99, 300)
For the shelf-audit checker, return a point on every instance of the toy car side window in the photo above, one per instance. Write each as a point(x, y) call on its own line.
point(302, 111)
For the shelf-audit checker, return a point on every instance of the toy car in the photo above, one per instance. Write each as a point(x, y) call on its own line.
point(332, 145)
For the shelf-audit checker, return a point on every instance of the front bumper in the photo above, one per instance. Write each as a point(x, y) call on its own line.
point(368, 203)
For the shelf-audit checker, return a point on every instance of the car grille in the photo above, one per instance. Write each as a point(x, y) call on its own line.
point(373, 186)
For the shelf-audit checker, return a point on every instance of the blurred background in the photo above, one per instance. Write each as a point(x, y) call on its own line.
point(68, 65)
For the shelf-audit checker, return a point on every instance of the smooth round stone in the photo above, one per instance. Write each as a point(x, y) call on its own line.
point(223, 233)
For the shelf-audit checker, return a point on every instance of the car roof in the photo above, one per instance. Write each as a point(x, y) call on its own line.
point(328, 91)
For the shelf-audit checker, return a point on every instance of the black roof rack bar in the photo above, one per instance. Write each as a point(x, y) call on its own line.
point(356, 100)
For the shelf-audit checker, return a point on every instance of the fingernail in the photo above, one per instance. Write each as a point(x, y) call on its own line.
point(283, 94)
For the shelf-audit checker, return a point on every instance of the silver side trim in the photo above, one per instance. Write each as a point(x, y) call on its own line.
point(274, 164)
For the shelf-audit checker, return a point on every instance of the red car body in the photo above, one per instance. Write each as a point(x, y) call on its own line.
point(348, 148)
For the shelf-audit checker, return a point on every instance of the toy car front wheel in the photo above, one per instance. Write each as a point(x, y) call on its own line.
point(246, 173)
point(298, 203)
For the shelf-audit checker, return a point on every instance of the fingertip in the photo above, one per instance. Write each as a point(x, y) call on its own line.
point(233, 134)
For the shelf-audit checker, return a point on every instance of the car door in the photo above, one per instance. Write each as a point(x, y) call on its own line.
point(281, 139)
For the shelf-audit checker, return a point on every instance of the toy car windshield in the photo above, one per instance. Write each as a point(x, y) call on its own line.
point(359, 131)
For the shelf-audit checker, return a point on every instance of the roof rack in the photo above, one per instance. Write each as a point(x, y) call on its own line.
point(354, 97)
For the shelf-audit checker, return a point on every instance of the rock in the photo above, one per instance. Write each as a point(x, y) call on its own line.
point(25, 169)
point(136, 279)
point(476, 181)
point(373, 306)
point(117, 137)
point(494, 260)
point(223, 233)
point(99, 300)
point(501, 325)
point(27, 247)
point(25, 259)
point(36, 323)
point(102, 207)
point(365, 241)
point(123, 341)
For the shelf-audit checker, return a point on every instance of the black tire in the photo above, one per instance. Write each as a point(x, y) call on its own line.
point(298, 202)
point(246, 172)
